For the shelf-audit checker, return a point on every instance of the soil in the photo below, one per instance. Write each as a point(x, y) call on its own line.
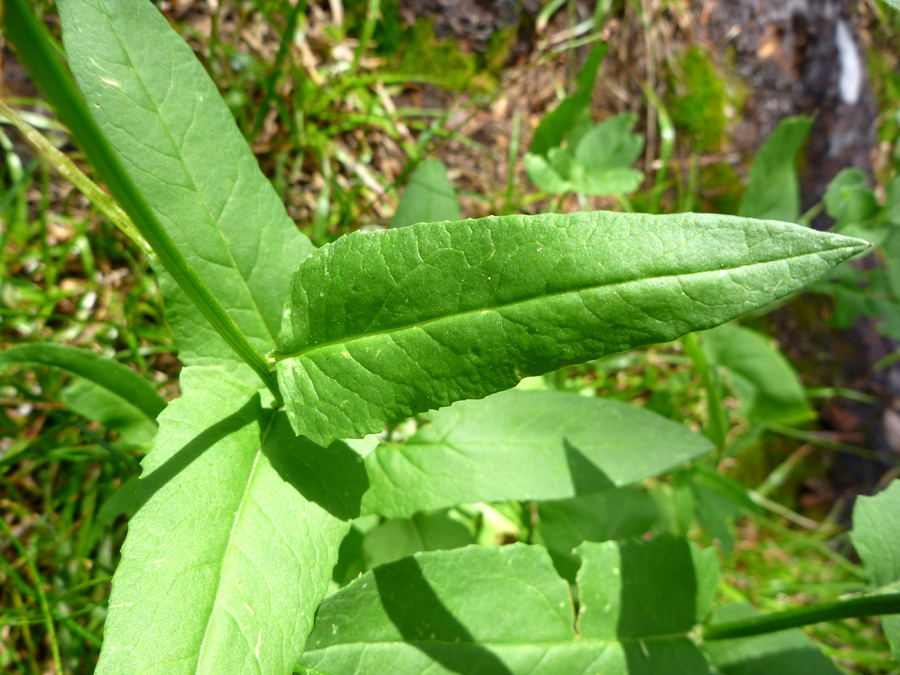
point(472, 22)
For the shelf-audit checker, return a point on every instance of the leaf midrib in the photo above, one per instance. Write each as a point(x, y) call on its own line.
point(575, 640)
point(190, 174)
point(279, 356)
point(234, 524)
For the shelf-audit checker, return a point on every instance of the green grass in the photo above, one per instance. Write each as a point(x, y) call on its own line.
point(67, 276)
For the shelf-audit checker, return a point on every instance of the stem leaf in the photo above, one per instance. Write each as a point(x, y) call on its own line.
point(450, 612)
point(233, 544)
point(130, 388)
point(383, 325)
point(178, 142)
point(524, 445)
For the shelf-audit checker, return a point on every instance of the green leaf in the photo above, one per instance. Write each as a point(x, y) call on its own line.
point(123, 501)
point(232, 547)
point(429, 197)
point(564, 524)
point(863, 293)
point(599, 165)
point(717, 501)
point(546, 176)
point(555, 125)
point(891, 251)
point(848, 199)
point(767, 384)
point(876, 536)
point(604, 156)
point(784, 653)
point(39, 53)
point(135, 393)
point(398, 538)
point(891, 208)
point(675, 502)
point(524, 445)
point(655, 590)
point(180, 146)
point(504, 611)
point(351, 559)
point(111, 410)
point(610, 144)
point(383, 325)
point(614, 181)
point(773, 191)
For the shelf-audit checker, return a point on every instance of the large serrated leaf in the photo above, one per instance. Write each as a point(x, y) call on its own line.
point(450, 612)
point(176, 138)
point(383, 325)
point(524, 445)
point(876, 536)
point(233, 545)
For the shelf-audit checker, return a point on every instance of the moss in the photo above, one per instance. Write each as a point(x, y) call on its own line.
point(721, 188)
point(699, 99)
point(438, 60)
point(499, 47)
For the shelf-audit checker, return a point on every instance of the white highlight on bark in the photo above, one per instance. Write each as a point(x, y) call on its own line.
point(851, 79)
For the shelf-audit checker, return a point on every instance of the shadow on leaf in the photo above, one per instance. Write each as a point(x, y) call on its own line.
point(335, 477)
point(152, 482)
point(653, 615)
point(427, 625)
point(586, 476)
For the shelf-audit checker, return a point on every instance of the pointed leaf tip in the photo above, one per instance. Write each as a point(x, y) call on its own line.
point(383, 325)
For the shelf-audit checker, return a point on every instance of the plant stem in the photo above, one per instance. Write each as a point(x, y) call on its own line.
point(718, 420)
point(36, 51)
point(66, 168)
point(514, 140)
point(373, 12)
point(867, 605)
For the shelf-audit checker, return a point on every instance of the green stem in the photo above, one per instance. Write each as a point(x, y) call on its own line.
point(718, 420)
point(867, 605)
point(36, 51)
point(514, 141)
point(373, 12)
point(66, 168)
